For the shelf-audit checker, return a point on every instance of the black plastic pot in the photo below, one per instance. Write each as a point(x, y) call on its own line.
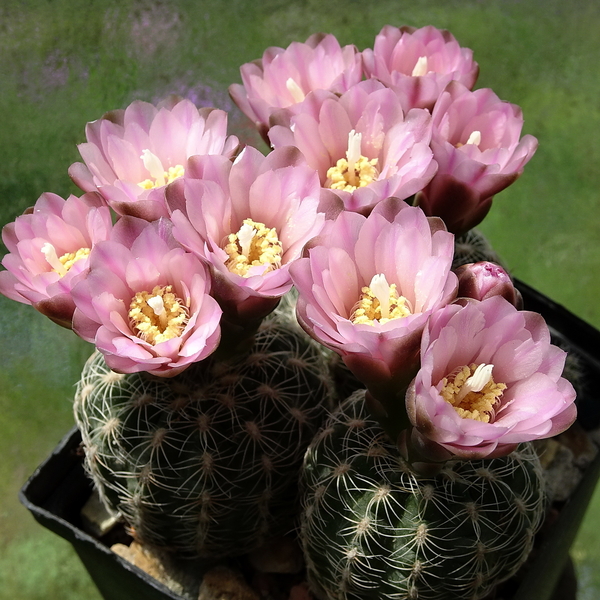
point(59, 488)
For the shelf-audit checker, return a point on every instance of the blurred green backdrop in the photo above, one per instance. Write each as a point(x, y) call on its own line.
point(65, 62)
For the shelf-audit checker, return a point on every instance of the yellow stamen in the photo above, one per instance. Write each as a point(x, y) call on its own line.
point(355, 170)
point(421, 68)
point(159, 176)
point(472, 391)
point(61, 265)
point(380, 303)
point(253, 245)
point(70, 258)
point(159, 315)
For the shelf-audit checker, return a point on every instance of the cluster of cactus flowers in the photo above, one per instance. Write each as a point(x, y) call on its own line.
point(205, 402)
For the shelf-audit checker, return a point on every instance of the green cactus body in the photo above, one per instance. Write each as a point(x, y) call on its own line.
point(373, 529)
point(472, 247)
point(205, 464)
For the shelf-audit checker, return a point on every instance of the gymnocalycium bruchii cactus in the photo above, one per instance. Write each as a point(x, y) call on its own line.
point(373, 529)
point(206, 463)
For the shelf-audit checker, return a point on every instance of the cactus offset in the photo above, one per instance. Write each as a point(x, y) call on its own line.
point(372, 529)
point(206, 463)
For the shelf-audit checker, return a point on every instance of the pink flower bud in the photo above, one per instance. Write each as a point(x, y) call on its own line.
point(486, 279)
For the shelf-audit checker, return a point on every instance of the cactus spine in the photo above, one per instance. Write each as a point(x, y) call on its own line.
point(206, 463)
point(372, 529)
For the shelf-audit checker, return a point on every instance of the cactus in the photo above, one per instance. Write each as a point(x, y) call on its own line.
point(205, 464)
point(372, 528)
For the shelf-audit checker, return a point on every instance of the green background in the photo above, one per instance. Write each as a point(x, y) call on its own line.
point(65, 62)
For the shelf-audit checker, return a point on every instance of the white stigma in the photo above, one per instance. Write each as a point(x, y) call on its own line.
point(245, 236)
point(421, 67)
point(49, 252)
point(238, 158)
point(477, 381)
point(295, 90)
point(474, 138)
point(381, 290)
point(157, 305)
point(353, 152)
point(154, 167)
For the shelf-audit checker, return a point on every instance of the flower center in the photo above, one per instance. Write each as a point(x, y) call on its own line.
point(159, 315)
point(157, 172)
point(253, 245)
point(62, 264)
point(380, 303)
point(355, 170)
point(474, 138)
point(472, 391)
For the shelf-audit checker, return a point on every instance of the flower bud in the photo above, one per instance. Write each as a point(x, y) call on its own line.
point(485, 279)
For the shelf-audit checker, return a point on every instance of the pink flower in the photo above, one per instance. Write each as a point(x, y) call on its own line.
point(418, 63)
point(368, 285)
point(362, 145)
point(48, 251)
point(145, 302)
point(283, 78)
point(485, 279)
point(489, 380)
point(249, 221)
point(476, 144)
point(131, 154)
